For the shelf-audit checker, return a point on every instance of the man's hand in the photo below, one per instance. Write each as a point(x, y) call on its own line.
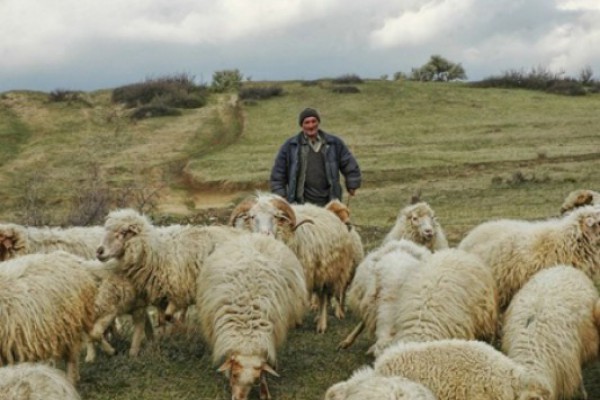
point(351, 192)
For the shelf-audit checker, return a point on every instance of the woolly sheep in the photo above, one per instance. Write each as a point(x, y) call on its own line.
point(380, 275)
point(515, 250)
point(116, 294)
point(250, 292)
point(451, 295)
point(456, 369)
point(326, 249)
point(16, 240)
point(34, 381)
point(578, 198)
point(364, 384)
point(343, 213)
point(51, 323)
point(551, 325)
point(161, 264)
point(417, 222)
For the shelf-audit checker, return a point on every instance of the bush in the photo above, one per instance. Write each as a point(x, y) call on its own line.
point(173, 91)
point(60, 95)
point(345, 89)
point(227, 80)
point(348, 79)
point(260, 92)
point(314, 82)
point(536, 79)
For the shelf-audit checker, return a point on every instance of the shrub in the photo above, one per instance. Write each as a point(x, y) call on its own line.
point(348, 79)
point(227, 80)
point(345, 89)
point(314, 82)
point(260, 92)
point(174, 91)
point(60, 95)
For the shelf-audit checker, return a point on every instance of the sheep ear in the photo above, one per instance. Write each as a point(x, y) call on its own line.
point(7, 243)
point(267, 368)
point(227, 365)
point(584, 198)
point(135, 229)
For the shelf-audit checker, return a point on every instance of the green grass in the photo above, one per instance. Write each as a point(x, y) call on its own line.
point(460, 147)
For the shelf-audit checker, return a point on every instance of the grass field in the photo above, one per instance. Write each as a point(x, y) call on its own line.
point(473, 154)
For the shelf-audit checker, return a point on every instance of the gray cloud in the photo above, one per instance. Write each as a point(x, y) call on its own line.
point(89, 44)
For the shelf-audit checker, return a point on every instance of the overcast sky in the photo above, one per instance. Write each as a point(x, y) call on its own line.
point(98, 44)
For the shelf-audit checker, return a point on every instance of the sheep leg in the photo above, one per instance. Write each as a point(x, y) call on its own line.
point(322, 315)
point(90, 354)
point(72, 361)
point(264, 388)
point(314, 302)
point(139, 324)
point(339, 306)
point(344, 344)
point(101, 325)
point(582, 391)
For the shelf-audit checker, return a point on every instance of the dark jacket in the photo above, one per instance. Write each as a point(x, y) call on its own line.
point(284, 174)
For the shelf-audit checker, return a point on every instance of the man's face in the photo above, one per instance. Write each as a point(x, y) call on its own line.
point(310, 126)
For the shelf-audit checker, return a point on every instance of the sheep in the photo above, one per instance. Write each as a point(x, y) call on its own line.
point(16, 240)
point(365, 384)
point(116, 295)
point(322, 243)
point(417, 222)
point(551, 325)
point(578, 198)
point(251, 290)
point(161, 263)
point(380, 274)
point(457, 369)
point(343, 213)
point(515, 250)
point(51, 302)
point(451, 295)
point(34, 381)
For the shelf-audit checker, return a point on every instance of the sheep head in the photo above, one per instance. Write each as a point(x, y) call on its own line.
point(589, 223)
point(578, 198)
point(121, 226)
point(12, 240)
point(243, 372)
point(266, 213)
point(421, 220)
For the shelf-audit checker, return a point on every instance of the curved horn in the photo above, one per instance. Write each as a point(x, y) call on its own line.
point(241, 209)
point(286, 209)
point(304, 221)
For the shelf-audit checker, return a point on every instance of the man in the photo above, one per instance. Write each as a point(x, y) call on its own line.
point(308, 165)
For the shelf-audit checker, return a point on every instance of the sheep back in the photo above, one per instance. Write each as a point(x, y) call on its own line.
point(250, 292)
point(32, 381)
point(455, 369)
point(515, 250)
point(48, 325)
point(550, 325)
point(364, 384)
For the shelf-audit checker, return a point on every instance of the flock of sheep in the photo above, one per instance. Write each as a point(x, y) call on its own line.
point(511, 313)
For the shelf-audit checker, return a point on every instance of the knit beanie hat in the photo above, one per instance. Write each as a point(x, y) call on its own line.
point(308, 112)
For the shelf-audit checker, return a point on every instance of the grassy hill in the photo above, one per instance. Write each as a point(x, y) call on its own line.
point(474, 154)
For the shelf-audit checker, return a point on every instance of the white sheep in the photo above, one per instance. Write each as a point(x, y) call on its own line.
point(35, 381)
point(514, 250)
point(417, 222)
point(251, 290)
point(456, 369)
point(551, 325)
point(451, 295)
point(48, 305)
point(326, 249)
point(365, 384)
point(162, 264)
point(578, 198)
point(381, 274)
point(16, 240)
